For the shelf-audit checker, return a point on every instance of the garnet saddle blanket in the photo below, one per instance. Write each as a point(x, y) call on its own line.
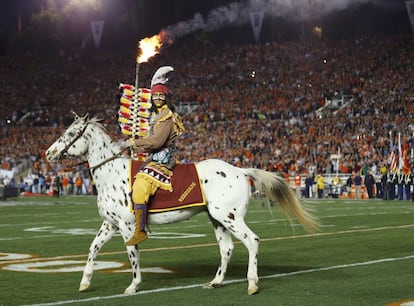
point(186, 189)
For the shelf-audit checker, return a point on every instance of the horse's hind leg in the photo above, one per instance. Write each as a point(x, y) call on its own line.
point(242, 232)
point(105, 234)
point(223, 237)
point(235, 224)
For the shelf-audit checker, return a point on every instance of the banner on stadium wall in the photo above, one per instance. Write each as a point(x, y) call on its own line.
point(256, 20)
point(97, 30)
point(410, 11)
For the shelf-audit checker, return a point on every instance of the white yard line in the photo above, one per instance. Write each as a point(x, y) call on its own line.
point(176, 288)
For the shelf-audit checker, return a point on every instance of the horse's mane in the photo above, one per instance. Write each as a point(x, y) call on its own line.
point(97, 122)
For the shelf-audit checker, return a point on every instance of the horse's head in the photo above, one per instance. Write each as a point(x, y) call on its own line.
point(72, 142)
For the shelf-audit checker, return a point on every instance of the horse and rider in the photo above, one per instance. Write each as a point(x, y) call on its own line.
point(226, 189)
point(166, 126)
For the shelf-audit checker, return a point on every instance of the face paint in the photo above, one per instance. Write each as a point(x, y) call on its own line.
point(158, 96)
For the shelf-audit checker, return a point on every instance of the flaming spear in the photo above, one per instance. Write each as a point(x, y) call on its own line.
point(134, 111)
point(147, 48)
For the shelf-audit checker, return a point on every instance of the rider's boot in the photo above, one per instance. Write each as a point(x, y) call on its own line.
point(140, 211)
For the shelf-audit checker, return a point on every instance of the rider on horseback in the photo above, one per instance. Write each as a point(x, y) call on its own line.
point(166, 126)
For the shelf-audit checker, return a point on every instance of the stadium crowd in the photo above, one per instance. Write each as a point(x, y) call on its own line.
point(256, 102)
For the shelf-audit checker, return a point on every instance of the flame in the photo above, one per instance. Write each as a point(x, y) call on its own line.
point(149, 46)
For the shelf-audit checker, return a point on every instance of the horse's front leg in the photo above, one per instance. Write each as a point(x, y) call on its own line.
point(105, 234)
point(133, 254)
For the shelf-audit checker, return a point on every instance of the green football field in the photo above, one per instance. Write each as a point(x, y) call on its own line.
point(362, 255)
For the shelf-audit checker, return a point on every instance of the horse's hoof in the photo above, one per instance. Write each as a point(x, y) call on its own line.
point(130, 291)
point(83, 287)
point(211, 286)
point(253, 290)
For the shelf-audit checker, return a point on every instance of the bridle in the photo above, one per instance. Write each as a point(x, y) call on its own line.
point(67, 147)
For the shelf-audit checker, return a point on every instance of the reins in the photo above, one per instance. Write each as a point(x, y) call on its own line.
point(107, 160)
point(102, 162)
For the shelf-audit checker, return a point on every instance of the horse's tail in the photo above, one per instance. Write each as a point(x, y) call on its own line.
point(275, 188)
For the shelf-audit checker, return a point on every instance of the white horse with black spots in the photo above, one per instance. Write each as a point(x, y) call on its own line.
point(227, 192)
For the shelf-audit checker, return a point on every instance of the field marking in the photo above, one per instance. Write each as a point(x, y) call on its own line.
point(408, 209)
point(192, 246)
point(279, 275)
point(170, 227)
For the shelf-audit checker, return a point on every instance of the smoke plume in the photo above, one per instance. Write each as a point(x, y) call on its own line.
point(237, 13)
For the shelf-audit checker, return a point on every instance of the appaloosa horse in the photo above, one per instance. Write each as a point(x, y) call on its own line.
point(227, 192)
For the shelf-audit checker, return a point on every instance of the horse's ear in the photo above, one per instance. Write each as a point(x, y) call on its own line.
point(75, 115)
point(86, 117)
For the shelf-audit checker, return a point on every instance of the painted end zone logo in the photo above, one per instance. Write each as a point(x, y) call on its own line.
point(92, 232)
point(30, 263)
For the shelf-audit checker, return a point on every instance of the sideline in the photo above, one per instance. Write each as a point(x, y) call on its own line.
point(366, 263)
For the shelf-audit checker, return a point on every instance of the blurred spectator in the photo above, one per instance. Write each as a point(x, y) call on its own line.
point(369, 182)
point(320, 185)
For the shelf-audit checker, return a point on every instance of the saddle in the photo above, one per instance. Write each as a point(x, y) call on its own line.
point(186, 192)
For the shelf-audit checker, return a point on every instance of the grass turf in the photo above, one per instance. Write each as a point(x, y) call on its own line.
point(362, 255)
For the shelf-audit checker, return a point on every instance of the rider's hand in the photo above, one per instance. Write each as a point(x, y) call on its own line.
point(129, 143)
